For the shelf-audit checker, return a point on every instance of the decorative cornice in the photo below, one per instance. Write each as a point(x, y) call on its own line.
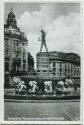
point(54, 55)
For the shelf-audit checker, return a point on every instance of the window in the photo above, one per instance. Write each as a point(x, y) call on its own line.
point(17, 43)
point(60, 71)
point(23, 55)
point(78, 72)
point(68, 65)
point(17, 54)
point(54, 70)
point(14, 42)
point(44, 70)
point(6, 41)
point(45, 66)
point(7, 52)
point(53, 64)
point(38, 70)
point(6, 66)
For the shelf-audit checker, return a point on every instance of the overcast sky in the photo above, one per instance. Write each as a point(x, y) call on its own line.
point(60, 21)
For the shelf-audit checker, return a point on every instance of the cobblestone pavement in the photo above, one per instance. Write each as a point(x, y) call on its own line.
point(59, 111)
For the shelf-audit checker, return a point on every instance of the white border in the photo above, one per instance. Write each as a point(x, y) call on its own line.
point(2, 63)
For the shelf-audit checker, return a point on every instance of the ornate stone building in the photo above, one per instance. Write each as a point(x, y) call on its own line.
point(16, 57)
point(58, 65)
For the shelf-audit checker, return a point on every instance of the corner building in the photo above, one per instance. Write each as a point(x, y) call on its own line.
point(58, 65)
point(15, 48)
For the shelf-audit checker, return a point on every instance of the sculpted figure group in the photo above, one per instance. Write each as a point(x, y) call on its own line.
point(61, 86)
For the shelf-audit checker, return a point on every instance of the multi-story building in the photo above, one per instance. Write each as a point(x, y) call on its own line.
point(15, 49)
point(42, 61)
point(58, 65)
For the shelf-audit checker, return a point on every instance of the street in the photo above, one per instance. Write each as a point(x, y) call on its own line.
point(53, 110)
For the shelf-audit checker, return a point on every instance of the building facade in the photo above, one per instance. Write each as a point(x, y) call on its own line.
point(58, 65)
point(16, 57)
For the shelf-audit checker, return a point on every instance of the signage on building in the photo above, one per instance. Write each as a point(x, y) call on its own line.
point(12, 31)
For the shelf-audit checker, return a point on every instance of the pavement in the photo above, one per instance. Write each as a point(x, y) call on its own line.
point(45, 110)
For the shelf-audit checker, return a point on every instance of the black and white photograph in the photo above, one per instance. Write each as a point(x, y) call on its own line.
point(42, 61)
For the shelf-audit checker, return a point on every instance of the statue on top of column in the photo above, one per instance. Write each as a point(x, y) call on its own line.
point(43, 40)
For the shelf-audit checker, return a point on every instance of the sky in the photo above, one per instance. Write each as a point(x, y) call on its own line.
point(61, 21)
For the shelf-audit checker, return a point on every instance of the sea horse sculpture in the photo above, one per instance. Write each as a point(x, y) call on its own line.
point(33, 85)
